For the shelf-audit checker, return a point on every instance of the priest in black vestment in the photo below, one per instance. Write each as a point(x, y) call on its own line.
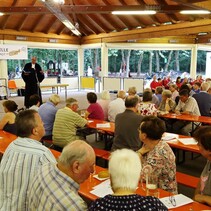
point(32, 75)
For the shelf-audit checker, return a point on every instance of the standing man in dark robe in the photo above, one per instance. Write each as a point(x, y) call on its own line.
point(32, 75)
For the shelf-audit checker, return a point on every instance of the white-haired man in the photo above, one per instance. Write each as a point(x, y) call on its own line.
point(47, 112)
point(124, 170)
point(116, 106)
point(55, 187)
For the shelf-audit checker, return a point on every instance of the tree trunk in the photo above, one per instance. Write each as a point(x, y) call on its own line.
point(150, 62)
point(157, 61)
point(177, 61)
point(128, 63)
point(168, 62)
point(123, 64)
point(139, 63)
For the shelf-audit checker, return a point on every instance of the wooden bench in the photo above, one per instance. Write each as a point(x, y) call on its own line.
point(187, 180)
point(100, 152)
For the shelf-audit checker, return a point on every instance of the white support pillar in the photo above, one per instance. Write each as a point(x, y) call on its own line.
point(193, 65)
point(104, 62)
point(3, 69)
point(80, 65)
point(208, 65)
point(3, 75)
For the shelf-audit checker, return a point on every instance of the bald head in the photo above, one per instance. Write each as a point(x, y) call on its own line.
point(77, 160)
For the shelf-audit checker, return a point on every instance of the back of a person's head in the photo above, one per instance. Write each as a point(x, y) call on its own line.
point(153, 127)
point(132, 90)
point(131, 101)
point(76, 150)
point(173, 85)
point(91, 97)
point(184, 92)
point(167, 93)
point(159, 90)
point(71, 101)
point(10, 105)
point(121, 94)
point(124, 168)
point(55, 99)
point(147, 96)
point(184, 86)
point(203, 136)
point(205, 86)
point(34, 99)
point(197, 84)
point(25, 121)
point(105, 95)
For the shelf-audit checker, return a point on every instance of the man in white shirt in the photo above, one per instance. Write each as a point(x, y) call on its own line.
point(116, 106)
point(21, 160)
point(186, 105)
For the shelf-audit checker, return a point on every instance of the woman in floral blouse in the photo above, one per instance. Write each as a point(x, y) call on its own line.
point(146, 107)
point(156, 155)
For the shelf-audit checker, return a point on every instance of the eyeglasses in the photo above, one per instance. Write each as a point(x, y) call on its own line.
point(172, 200)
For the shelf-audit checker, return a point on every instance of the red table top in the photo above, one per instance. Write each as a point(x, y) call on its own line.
point(188, 117)
point(88, 185)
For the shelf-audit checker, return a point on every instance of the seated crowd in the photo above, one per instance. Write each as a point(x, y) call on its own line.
point(31, 178)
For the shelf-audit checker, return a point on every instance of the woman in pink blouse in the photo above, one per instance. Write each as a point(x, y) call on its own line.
point(156, 155)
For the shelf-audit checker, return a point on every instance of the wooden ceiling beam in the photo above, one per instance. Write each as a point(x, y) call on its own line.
point(5, 21)
point(21, 24)
point(53, 21)
point(87, 23)
point(86, 9)
point(153, 32)
point(189, 3)
point(42, 17)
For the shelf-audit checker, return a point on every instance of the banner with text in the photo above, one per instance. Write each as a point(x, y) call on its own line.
point(13, 52)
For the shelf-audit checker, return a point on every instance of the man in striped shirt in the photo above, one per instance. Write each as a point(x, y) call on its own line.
point(21, 160)
point(55, 187)
point(66, 124)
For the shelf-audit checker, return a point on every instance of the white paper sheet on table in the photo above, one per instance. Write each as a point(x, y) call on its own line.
point(103, 125)
point(99, 178)
point(102, 189)
point(180, 200)
point(169, 136)
point(187, 141)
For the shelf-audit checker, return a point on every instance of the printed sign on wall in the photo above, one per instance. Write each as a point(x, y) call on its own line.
point(13, 52)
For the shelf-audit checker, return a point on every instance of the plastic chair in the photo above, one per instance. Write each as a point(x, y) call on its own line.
point(12, 86)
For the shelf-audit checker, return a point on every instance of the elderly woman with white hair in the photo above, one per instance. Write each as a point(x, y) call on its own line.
point(124, 169)
point(167, 104)
point(104, 102)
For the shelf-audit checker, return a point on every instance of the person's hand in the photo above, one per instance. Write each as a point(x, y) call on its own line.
point(199, 198)
point(167, 100)
point(144, 149)
point(177, 112)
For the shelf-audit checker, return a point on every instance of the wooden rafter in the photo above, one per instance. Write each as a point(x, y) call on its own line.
point(21, 24)
point(53, 22)
point(41, 18)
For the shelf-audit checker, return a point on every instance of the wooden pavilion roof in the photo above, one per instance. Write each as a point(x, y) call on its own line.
point(41, 20)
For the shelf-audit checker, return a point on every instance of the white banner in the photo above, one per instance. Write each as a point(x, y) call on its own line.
point(13, 52)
